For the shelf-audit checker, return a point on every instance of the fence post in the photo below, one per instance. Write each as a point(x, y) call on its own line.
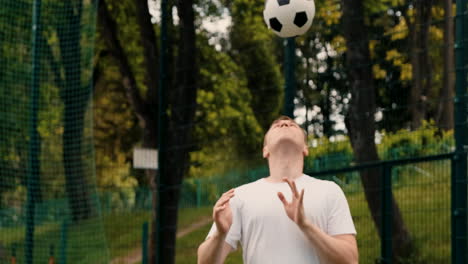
point(387, 215)
point(459, 162)
point(51, 254)
point(13, 253)
point(63, 242)
point(158, 246)
point(197, 181)
point(289, 72)
point(33, 164)
point(458, 209)
point(144, 244)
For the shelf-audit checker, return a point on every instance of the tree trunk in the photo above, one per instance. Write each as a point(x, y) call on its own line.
point(75, 98)
point(445, 112)
point(360, 123)
point(420, 60)
point(144, 109)
point(182, 101)
point(182, 108)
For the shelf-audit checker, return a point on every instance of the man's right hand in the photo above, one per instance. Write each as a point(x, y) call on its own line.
point(222, 214)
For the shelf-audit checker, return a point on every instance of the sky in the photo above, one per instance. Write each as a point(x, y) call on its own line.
point(219, 25)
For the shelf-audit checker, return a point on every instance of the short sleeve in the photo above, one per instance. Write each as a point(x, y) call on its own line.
point(340, 221)
point(234, 235)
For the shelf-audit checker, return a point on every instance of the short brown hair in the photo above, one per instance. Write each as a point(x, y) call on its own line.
point(283, 117)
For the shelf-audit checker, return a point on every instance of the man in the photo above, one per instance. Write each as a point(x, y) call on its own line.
point(285, 218)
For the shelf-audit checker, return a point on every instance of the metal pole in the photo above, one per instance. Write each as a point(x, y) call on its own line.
point(199, 190)
point(34, 144)
point(459, 193)
point(144, 244)
point(162, 125)
point(290, 78)
point(63, 242)
point(387, 215)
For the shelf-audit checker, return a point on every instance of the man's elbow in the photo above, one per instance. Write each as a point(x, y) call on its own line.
point(354, 259)
point(200, 254)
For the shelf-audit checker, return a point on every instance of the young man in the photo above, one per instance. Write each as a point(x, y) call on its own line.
point(285, 218)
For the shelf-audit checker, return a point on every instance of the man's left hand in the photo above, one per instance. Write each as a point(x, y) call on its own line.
point(295, 208)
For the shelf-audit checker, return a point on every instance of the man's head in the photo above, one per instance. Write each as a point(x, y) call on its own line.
point(284, 130)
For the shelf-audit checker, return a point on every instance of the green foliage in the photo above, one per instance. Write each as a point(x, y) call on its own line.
point(427, 140)
point(254, 49)
point(116, 130)
point(325, 154)
point(227, 128)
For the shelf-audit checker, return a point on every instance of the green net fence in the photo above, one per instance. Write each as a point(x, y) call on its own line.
point(49, 207)
point(68, 188)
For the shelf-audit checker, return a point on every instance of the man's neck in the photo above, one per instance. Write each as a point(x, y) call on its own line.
point(285, 165)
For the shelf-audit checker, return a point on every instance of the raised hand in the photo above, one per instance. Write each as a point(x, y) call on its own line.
point(222, 214)
point(295, 208)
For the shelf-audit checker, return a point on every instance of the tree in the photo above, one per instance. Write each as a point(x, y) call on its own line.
point(360, 122)
point(15, 98)
point(418, 20)
point(142, 108)
point(225, 127)
point(320, 77)
point(445, 114)
point(74, 113)
point(253, 48)
point(181, 101)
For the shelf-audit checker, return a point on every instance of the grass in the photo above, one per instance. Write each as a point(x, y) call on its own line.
point(424, 201)
point(88, 235)
point(121, 232)
point(187, 246)
point(124, 230)
point(421, 190)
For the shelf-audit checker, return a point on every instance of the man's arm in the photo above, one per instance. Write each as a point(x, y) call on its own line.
point(331, 249)
point(215, 250)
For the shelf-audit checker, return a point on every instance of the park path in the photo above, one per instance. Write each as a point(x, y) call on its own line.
point(135, 255)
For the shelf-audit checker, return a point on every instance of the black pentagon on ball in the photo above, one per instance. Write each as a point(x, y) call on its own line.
point(275, 24)
point(300, 19)
point(283, 2)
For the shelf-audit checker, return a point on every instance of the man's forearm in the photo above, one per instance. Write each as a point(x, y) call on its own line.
point(329, 248)
point(210, 251)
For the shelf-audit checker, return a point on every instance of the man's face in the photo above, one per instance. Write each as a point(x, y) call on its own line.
point(284, 131)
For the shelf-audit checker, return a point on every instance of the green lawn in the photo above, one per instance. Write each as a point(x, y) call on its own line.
point(424, 201)
point(187, 248)
point(124, 230)
point(86, 243)
point(422, 192)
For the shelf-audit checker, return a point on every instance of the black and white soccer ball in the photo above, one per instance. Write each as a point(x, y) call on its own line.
point(289, 18)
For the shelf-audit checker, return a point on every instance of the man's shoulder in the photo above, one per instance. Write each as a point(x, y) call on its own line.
point(249, 187)
point(325, 185)
point(246, 192)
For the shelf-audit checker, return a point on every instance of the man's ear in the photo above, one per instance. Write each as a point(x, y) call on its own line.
point(266, 152)
point(305, 150)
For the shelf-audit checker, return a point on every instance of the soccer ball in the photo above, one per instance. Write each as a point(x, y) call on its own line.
point(289, 18)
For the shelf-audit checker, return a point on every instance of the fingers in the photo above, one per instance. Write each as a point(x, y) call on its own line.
point(292, 185)
point(281, 197)
point(301, 198)
point(223, 201)
point(225, 198)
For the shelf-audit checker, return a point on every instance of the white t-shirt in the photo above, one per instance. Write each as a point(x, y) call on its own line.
point(266, 233)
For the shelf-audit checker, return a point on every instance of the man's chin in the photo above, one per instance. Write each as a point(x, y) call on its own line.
point(287, 143)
